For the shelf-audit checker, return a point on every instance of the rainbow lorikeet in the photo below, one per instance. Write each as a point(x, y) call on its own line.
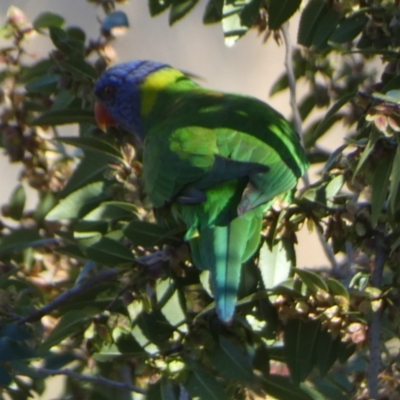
point(216, 160)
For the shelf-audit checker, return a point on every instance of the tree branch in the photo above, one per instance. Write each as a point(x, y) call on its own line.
point(299, 129)
point(375, 325)
point(103, 276)
point(95, 379)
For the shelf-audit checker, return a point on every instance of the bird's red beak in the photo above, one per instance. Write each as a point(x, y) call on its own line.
point(103, 117)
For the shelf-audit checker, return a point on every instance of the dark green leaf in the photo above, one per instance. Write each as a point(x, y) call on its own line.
point(379, 186)
point(394, 194)
point(93, 144)
point(281, 387)
point(213, 12)
point(47, 20)
point(312, 280)
point(367, 151)
point(300, 339)
point(5, 377)
point(155, 327)
point(69, 323)
point(280, 11)
point(145, 234)
point(179, 9)
point(63, 117)
point(109, 252)
point(16, 331)
point(326, 123)
point(17, 203)
point(337, 288)
point(18, 240)
point(76, 33)
point(333, 158)
point(47, 201)
point(349, 28)
point(327, 351)
point(79, 67)
point(112, 211)
point(45, 84)
point(158, 6)
point(309, 20)
point(232, 361)
point(250, 13)
point(306, 105)
point(90, 169)
point(79, 202)
point(326, 26)
point(231, 21)
point(11, 350)
point(202, 385)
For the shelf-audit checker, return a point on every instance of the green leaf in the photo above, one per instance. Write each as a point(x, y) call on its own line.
point(63, 117)
point(326, 25)
point(312, 280)
point(394, 194)
point(47, 20)
point(109, 252)
point(112, 211)
point(309, 21)
point(231, 21)
point(232, 361)
point(203, 386)
point(79, 67)
point(379, 186)
point(90, 169)
point(333, 158)
point(45, 84)
point(348, 28)
point(280, 11)
point(69, 323)
point(64, 43)
point(145, 234)
point(327, 351)
point(17, 203)
point(281, 387)
point(47, 201)
point(16, 331)
point(93, 144)
point(274, 264)
point(326, 122)
point(337, 288)
point(213, 12)
point(5, 377)
point(79, 202)
point(155, 327)
point(158, 6)
point(300, 339)
point(11, 350)
point(334, 186)
point(18, 240)
point(179, 9)
point(367, 151)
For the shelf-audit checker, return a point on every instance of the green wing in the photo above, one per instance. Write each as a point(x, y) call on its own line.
point(219, 160)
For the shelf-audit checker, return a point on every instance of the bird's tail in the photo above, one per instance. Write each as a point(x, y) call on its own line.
point(223, 250)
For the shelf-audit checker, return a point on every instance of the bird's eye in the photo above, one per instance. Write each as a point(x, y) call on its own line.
point(108, 92)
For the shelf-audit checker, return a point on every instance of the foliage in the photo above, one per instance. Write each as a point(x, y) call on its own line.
point(88, 279)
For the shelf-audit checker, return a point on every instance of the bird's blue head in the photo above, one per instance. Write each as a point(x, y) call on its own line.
point(118, 95)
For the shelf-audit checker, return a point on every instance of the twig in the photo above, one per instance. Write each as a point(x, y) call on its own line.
point(94, 379)
point(107, 275)
point(375, 325)
point(299, 129)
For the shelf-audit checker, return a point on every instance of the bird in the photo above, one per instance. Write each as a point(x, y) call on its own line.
point(215, 160)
